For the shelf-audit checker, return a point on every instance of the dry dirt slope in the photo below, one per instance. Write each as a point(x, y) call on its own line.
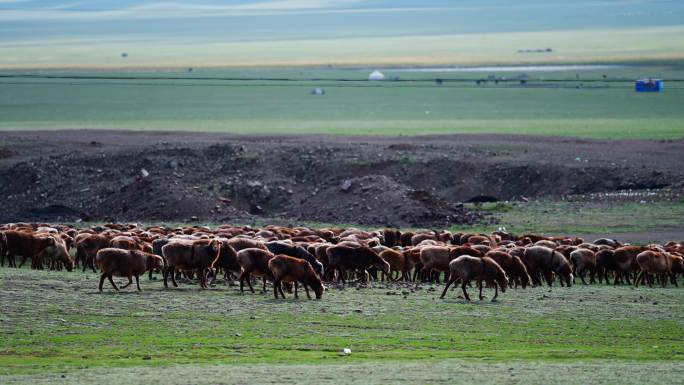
point(395, 181)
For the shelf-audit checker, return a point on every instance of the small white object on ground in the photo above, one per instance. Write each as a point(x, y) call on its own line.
point(346, 351)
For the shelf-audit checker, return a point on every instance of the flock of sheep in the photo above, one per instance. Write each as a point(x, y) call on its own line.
point(306, 256)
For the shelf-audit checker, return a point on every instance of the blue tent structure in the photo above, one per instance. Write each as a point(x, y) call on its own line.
point(649, 85)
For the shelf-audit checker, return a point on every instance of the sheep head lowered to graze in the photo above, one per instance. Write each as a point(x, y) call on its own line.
point(543, 260)
point(125, 263)
point(57, 255)
point(289, 269)
point(297, 252)
point(467, 268)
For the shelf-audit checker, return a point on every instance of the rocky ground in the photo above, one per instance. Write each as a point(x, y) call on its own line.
point(386, 181)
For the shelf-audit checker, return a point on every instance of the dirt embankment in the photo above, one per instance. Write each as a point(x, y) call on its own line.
point(393, 181)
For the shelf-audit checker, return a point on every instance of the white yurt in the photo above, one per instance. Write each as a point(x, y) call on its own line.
point(376, 76)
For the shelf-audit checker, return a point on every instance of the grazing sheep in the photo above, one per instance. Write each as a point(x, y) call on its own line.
point(543, 260)
point(656, 263)
point(254, 261)
point(125, 263)
point(467, 268)
point(57, 255)
point(435, 259)
point(584, 260)
point(198, 256)
point(88, 246)
point(289, 269)
point(515, 269)
point(397, 263)
point(297, 252)
point(359, 259)
point(623, 261)
point(27, 245)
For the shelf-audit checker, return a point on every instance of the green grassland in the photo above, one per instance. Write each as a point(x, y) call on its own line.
point(565, 217)
point(416, 106)
point(56, 323)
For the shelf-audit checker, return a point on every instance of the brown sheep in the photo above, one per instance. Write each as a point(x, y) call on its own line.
point(420, 237)
point(130, 243)
point(623, 261)
point(359, 259)
point(584, 260)
point(515, 269)
point(254, 261)
point(27, 245)
point(125, 263)
point(469, 268)
point(479, 240)
point(435, 259)
point(543, 260)
point(656, 263)
point(198, 256)
point(397, 263)
point(246, 243)
point(289, 269)
point(57, 255)
point(88, 246)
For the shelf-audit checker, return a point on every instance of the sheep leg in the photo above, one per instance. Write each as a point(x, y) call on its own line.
point(465, 293)
point(248, 278)
point(306, 289)
point(673, 279)
point(496, 292)
point(549, 280)
point(166, 276)
point(137, 283)
point(280, 289)
point(263, 280)
point(102, 278)
point(449, 282)
point(276, 283)
point(581, 274)
point(425, 274)
point(480, 285)
point(112, 282)
point(130, 282)
point(242, 281)
point(23, 260)
point(173, 277)
point(296, 287)
point(663, 280)
point(640, 276)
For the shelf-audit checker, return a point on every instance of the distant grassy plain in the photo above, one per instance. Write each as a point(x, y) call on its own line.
point(560, 103)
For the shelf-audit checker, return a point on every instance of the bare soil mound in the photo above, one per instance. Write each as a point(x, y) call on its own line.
point(378, 199)
point(394, 181)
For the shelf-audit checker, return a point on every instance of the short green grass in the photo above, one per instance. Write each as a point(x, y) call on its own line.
point(56, 322)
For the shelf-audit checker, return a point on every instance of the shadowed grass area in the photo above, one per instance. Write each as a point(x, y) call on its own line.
point(55, 321)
